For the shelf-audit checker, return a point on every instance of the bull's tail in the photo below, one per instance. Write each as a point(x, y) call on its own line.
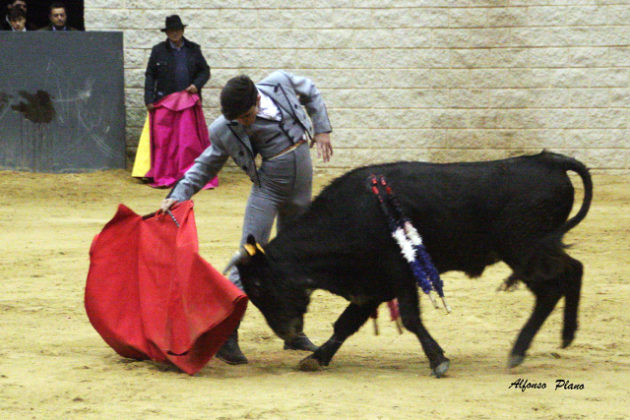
point(570, 164)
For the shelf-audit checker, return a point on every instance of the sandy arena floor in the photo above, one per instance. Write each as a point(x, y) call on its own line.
point(53, 364)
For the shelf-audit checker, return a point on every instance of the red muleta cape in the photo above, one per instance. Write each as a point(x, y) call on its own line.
point(150, 295)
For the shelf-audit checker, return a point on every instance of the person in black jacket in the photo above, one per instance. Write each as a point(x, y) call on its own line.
point(174, 65)
point(5, 24)
point(17, 19)
point(58, 17)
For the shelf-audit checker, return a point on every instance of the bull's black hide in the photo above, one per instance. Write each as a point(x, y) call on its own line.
point(470, 215)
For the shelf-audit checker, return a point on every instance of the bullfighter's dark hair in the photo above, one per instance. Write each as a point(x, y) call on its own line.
point(237, 96)
point(57, 5)
point(16, 13)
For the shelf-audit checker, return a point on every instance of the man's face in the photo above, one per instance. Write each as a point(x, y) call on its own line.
point(249, 117)
point(175, 35)
point(58, 17)
point(18, 24)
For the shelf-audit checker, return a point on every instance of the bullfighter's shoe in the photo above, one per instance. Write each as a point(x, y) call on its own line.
point(230, 352)
point(301, 342)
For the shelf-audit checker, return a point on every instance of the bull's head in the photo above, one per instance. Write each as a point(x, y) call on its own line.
point(282, 301)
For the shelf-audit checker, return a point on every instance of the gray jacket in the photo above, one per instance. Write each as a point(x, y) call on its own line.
point(230, 139)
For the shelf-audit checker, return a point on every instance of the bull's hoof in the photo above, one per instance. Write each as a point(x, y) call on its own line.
point(566, 342)
point(301, 342)
point(310, 364)
point(441, 369)
point(515, 360)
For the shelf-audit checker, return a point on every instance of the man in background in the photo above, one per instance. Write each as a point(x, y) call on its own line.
point(17, 20)
point(175, 64)
point(5, 24)
point(176, 72)
point(58, 17)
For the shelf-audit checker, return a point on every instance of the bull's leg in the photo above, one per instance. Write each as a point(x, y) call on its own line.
point(410, 314)
point(545, 302)
point(352, 318)
point(567, 281)
point(572, 287)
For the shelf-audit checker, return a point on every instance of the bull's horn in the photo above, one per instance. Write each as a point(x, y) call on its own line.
point(251, 249)
point(237, 257)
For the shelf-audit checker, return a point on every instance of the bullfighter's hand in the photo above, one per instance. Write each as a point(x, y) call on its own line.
point(192, 89)
point(167, 203)
point(324, 147)
point(150, 107)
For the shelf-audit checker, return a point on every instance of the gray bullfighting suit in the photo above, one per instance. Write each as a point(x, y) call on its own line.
point(282, 185)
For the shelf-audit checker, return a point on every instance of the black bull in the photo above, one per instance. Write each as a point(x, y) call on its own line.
point(470, 215)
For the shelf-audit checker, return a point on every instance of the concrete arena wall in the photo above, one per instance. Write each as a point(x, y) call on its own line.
point(436, 80)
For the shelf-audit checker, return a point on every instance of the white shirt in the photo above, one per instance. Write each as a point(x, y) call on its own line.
point(267, 108)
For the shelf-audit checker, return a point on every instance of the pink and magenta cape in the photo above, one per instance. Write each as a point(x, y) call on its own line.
point(178, 134)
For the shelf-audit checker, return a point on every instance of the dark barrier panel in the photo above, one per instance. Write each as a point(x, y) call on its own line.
point(62, 106)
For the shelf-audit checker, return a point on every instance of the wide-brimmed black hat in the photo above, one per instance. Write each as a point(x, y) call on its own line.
point(173, 22)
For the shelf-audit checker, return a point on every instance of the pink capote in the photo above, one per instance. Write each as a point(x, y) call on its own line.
point(150, 295)
point(178, 135)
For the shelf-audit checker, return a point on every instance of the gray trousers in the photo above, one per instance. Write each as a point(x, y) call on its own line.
point(286, 185)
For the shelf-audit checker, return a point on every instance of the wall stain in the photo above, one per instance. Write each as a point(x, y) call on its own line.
point(37, 107)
